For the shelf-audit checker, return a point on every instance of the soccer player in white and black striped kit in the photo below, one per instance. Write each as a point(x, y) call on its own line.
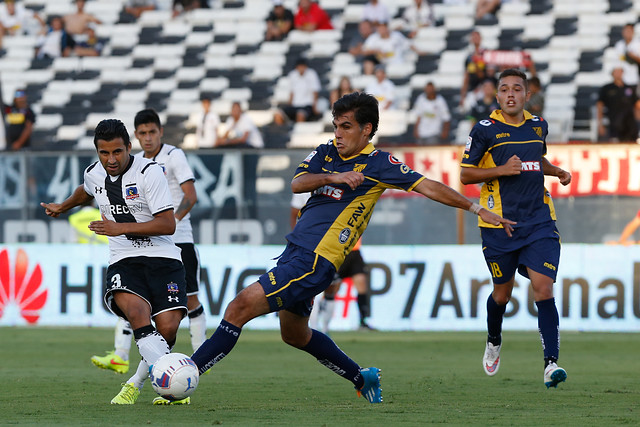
point(145, 277)
point(149, 131)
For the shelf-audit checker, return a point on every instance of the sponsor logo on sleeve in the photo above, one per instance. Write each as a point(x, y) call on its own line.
point(310, 156)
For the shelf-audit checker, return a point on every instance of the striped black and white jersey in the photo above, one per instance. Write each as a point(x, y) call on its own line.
point(134, 196)
point(177, 170)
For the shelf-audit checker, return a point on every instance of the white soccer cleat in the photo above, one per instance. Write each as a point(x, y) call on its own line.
point(554, 375)
point(491, 359)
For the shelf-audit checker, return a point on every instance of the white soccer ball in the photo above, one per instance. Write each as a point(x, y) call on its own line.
point(175, 376)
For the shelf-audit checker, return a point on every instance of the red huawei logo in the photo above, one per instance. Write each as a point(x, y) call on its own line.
point(15, 287)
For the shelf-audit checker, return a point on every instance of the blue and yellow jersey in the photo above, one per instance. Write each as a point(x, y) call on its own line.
point(522, 198)
point(335, 216)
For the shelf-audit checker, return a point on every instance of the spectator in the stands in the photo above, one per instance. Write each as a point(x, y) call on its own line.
point(628, 50)
point(621, 105)
point(384, 47)
point(76, 24)
point(134, 8)
point(382, 88)
point(182, 6)
point(14, 19)
point(375, 12)
point(279, 22)
point(474, 67)
point(56, 42)
point(433, 119)
point(240, 130)
point(365, 29)
point(311, 17)
point(208, 124)
point(535, 104)
point(486, 104)
point(416, 16)
point(19, 121)
point(304, 86)
point(91, 46)
point(487, 8)
point(344, 88)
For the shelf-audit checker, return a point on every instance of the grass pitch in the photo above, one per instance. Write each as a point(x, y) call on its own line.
point(428, 378)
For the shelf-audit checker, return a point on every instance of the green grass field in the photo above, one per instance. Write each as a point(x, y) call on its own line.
point(428, 378)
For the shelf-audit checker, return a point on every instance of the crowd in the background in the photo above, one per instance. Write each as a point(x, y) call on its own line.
point(382, 41)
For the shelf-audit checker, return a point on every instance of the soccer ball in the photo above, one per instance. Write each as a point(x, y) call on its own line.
point(174, 376)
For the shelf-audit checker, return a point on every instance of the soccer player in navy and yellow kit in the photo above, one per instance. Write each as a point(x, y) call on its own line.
point(347, 176)
point(506, 154)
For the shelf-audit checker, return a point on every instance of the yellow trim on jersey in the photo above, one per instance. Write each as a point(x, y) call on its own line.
point(355, 217)
point(515, 142)
point(301, 173)
point(497, 115)
point(385, 185)
point(313, 269)
point(366, 150)
point(549, 202)
point(490, 188)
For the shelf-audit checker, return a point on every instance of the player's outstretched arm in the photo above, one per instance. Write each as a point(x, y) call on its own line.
point(628, 231)
point(163, 223)
point(79, 197)
point(312, 181)
point(552, 170)
point(448, 196)
point(472, 175)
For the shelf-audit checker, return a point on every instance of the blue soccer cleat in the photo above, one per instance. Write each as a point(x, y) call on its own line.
point(553, 375)
point(371, 389)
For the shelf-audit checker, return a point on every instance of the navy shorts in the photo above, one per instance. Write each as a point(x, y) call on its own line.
point(158, 281)
point(191, 262)
point(536, 247)
point(297, 278)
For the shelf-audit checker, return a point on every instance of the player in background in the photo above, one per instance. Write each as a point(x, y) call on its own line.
point(145, 277)
point(627, 232)
point(149, 132)
point(347, 175)
point(506, 153)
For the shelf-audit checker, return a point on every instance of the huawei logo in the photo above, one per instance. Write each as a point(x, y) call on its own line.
point(19, 288)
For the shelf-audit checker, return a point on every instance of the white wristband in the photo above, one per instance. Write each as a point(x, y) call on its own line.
point(475, 208)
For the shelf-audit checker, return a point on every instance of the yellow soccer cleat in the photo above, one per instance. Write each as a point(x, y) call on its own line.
point(162, 401)
point(111, 361)
point(127, 396)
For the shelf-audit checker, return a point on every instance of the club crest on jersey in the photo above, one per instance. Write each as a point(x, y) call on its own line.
point(344, 235)
point(173, 288)
point(131, 193)
point(394, 161)
point(359, 167)
point(310, 156)
point(538, 131)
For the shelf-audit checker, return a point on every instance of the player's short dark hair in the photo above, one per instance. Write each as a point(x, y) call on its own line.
point(110, 129)
point(514, 72)
point(145, 116)
point(364, 107)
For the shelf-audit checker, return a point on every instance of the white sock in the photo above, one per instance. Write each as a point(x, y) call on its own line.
point(152, 347)
point(122, 341)
point(141, 375)
point(314, 318)
point(197, 328)
point(329, 306)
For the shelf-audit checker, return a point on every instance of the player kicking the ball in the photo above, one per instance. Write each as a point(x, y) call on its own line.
point(506, 154)
point(346, 176)
point(180, 177)
point(145, 277)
